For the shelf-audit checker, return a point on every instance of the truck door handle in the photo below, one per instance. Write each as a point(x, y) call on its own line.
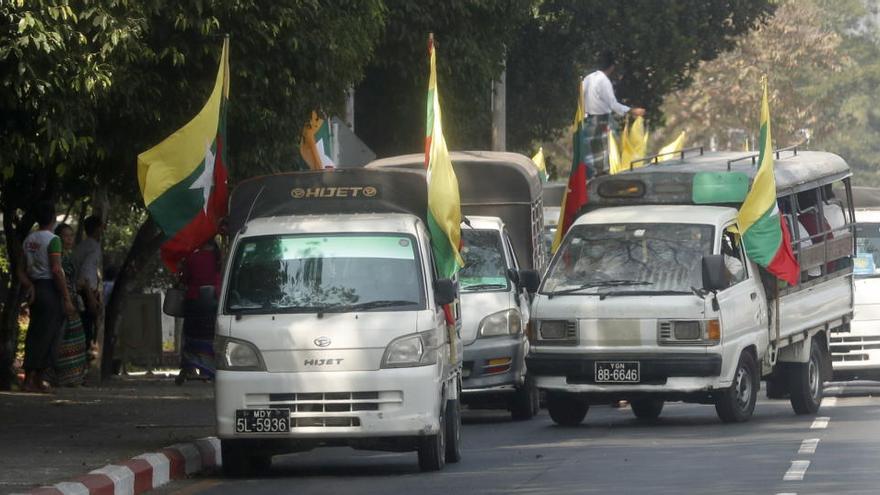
point(753, 295)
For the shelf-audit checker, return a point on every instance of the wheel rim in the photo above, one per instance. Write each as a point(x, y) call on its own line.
point(743, 389)
point(813, 376)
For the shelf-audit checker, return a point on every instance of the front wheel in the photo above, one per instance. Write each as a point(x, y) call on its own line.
point(805, 383)
point(453, 431)
point(432, 448)
point(737, 403)
point(566, 410)
point(526, 401)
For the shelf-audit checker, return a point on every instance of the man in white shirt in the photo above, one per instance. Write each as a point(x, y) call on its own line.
point(599, 103)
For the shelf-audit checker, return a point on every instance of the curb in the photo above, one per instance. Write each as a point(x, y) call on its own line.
point(144, 472)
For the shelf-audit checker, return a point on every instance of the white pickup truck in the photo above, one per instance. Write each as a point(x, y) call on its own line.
point(650, 298)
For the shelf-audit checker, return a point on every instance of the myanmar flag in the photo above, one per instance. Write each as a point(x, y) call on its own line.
point(541, 163)
point(764, 232)
point(444, 204)
point(576, 193)
point(183, 178)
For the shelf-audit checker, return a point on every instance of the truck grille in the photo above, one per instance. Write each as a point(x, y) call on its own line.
point(326, 409)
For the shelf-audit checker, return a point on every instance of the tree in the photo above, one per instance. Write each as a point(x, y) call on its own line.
point(53, 68)
point(471, 37)
point(790, 49)
point(98, 81)
point(548, 46)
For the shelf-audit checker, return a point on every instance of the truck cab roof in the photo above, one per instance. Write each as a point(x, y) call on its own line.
point(333, 223)
point(711, 215)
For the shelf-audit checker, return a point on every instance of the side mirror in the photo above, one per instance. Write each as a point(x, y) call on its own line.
point(530, 280)
point(444, 291)
point(715, 275)
point(513, 275)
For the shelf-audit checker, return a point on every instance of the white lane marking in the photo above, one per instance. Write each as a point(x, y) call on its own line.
point(787, 493)
point(809, 446)
point(829, 402)
point(820, 423)
point(797, 471)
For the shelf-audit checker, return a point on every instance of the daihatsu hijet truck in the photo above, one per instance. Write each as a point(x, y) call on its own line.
point(333, 327)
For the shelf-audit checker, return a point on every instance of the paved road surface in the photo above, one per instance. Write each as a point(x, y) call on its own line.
point(687, 451)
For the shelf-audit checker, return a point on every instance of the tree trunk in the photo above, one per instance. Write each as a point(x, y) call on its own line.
point(145, 244)
point(9, 314)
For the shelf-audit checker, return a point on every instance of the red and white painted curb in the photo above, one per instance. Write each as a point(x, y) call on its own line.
point(144, 472)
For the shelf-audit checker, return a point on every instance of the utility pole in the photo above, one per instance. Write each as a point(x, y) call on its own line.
point(499, 112)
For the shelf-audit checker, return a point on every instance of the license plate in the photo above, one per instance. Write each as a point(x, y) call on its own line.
point(617, 372)
point(262, 420)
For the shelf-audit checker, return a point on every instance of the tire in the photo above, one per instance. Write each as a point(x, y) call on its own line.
point(432, 448)
point(237, 462)
point(647, 409)
point(805, 383)
point(737, 403)
point(566, 410)
point(526, 401)
point(453, 431)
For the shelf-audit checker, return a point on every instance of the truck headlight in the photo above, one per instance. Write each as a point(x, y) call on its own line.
point(507, 322)
point(417, 349)
point(689, 332)
point(237, 355)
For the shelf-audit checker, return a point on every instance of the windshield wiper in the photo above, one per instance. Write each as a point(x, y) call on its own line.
point(380, 303)
point(601, 283)
point(484, 286)
point(603, 295)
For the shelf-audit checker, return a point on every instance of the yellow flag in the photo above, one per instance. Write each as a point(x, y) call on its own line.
point(541, 163)
point(613, 155)
point(676, 145)
point(634, 142)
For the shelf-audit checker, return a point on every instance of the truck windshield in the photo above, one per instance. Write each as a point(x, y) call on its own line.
point(325, 273)
point(620, 258)
point(867, 261)
point(484, 265)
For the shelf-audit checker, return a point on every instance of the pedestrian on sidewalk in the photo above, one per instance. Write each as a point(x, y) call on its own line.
point(44, 282)
point(201, 271)
point(70, 364)
point(87, 259)
point(599, 103)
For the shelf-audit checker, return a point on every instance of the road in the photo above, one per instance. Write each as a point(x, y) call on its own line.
point(687, 451)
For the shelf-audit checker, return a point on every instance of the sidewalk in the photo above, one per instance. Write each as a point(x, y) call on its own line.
point(45, 439)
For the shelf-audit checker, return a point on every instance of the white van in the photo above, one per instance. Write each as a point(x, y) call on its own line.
point(331, 328)
point(503, 250)
point(856, 349)
point(650, 298)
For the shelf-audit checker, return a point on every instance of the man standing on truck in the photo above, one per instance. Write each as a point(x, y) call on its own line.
point(599, 103)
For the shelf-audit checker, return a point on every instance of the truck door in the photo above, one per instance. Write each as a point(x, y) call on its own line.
point(743, 306)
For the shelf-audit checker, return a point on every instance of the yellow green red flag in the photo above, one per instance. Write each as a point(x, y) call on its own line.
point(764, 232)
point(444, 203)
point(183, 178)
point(668, 152)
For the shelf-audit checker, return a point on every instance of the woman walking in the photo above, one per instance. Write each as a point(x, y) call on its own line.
point(70, 365)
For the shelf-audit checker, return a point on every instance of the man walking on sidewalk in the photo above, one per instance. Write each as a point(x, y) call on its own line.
point(43, 281)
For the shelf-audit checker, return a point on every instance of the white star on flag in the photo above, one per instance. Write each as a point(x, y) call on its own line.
point(206, 181)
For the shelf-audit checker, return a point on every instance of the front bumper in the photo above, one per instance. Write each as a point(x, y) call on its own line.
point(343, 404)
point(478, 378)
point(659, 372)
